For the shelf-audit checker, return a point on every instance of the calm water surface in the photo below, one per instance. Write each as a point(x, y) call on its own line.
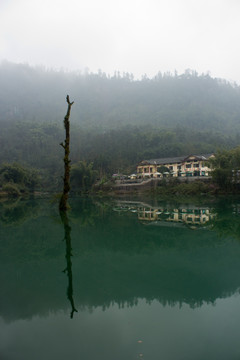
point(120, 279)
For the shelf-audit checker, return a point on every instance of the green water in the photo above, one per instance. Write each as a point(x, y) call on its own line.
point(120, 279)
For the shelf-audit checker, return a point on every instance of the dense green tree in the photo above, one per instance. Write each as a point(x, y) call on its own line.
point(226, 165)
point(16, 179)
point(82, 176)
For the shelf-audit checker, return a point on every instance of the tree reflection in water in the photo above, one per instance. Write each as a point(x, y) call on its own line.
point(68, 269)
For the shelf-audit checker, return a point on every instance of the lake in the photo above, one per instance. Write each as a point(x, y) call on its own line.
point(127, 278)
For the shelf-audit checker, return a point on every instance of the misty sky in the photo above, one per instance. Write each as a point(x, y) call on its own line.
point(136, 36)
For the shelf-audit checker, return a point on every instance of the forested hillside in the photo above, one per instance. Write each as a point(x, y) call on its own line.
point(116, 120)
point(104, 102)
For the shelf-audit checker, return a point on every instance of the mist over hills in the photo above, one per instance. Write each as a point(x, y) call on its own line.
point(116, 121)
point(108, 102)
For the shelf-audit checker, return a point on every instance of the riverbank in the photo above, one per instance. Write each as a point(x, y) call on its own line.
point(167, 186)
point(177, 187)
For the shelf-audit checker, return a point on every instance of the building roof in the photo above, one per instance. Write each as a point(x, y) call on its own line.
point(174, 160)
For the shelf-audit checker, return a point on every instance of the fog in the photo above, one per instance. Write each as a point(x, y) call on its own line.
point(136, 36)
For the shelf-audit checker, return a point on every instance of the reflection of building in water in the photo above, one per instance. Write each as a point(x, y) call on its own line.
point(189, 215)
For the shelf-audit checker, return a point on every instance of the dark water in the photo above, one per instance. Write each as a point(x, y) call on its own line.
point(120, 280)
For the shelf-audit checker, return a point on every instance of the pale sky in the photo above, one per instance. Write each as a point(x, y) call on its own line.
point(136, 36)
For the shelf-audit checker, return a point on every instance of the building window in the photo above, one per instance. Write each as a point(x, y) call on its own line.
point(179, 167)
point(151, 170)
point(188, 166)
point(196, 165)
point(145, 170)
point(170, 167)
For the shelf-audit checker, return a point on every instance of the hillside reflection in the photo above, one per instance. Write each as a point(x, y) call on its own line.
point(127, 251)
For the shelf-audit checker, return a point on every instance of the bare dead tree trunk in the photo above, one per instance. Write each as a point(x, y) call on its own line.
point(63, 204)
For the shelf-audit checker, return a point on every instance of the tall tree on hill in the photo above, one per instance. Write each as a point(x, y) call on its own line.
point(63, 204)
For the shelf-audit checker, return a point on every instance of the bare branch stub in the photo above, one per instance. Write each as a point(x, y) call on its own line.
point(68, 101)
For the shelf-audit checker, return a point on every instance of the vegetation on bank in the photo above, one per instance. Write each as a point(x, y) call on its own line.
point(16, 180)
point(177, 188)
point(226, 172)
